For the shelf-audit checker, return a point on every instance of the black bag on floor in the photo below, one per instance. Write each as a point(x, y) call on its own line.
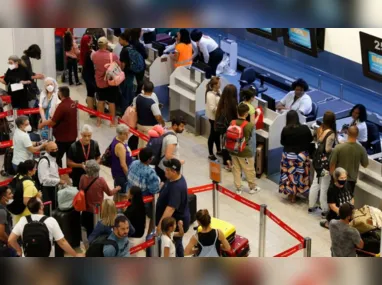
point(36, 240)
point(3, 137)
point(193, 207)
point(96, 247)
point(70, 224)
point(372, 242)
point(8, 166)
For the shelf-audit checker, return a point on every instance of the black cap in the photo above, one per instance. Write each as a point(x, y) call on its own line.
point(173, 164)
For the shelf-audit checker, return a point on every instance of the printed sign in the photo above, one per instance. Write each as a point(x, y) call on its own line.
point(215, 171)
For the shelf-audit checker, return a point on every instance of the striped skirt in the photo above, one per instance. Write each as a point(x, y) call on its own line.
point(295, 173)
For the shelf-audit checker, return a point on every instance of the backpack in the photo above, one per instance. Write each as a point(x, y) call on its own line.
point(320, 158)
point(79, 201)
point(17, 206)
point(235, 140)
point(221, 124)
point(36, 241)
point(137, 63)
point(114, 74)
point(106, 157)
point(96, 247)
point(156, 145)
point(8, 166)
point(36, 179)
point(130, 117)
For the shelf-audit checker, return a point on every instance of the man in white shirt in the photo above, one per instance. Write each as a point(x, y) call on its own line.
point(48, 174)
point(297, 99)
point(209, 49)
point(23, 147)
point(36, 207)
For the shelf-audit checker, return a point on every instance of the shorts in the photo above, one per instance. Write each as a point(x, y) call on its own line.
point(108, 94)
point(149, 210)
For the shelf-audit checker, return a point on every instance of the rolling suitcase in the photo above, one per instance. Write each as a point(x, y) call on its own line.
point(70, 224)
point(260, 158)
point(228, 229)
point(239, 248)
point(192, 204)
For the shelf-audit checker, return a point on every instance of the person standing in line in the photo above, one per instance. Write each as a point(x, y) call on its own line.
point(64, 123)
point(349, 155)
point(173, 201)
point(209, 51)
point(34, 52)
point(6, 223)
point(244, 161)
point(345, 239)
point(72, 52)
point(105, 93)
point(167, 239)
point(135, 34)
point(148, 111)
point(120, 234)
point(212, 102)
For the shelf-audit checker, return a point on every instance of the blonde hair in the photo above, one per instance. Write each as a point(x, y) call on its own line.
point(108, 212)
point(214, 81)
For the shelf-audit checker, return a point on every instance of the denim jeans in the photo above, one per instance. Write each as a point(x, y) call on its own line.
point(253, 142)
point(127, 94)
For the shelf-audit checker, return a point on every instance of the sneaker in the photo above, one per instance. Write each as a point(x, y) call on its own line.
point(212, 157)
point(254, 190)
point(238, 191)
point(311, 210)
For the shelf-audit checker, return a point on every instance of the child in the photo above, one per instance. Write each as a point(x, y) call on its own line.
point(168, 226)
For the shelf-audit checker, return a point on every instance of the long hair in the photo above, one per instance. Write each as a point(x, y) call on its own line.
point(362, 112)
point(85, 48)
point(184, 36)
point(33, 51)
point(292, 119)
point(137, 199)
point(108, 212)
point(68, 41)
point(210, 86)
point(228, 103)
point(329, 121)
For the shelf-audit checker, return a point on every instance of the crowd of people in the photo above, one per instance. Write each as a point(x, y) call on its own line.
point(157, 170)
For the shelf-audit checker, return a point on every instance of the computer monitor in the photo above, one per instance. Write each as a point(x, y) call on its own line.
point(306, 40)
point(271, 101)
point(371, 50)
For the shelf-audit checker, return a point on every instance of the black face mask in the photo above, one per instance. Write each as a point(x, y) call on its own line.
point(53, 154)
point(342, 182)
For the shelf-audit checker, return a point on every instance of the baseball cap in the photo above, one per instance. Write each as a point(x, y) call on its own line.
point(173, 164)
point(102, 40)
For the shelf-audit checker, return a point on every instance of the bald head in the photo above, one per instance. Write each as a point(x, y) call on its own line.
point(51, 147)
point(353, 132)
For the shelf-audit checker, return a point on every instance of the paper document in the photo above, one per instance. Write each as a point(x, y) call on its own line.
point(16, 87)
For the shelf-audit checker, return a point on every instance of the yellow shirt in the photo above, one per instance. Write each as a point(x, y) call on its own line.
point(185, 54)
point(30, 191)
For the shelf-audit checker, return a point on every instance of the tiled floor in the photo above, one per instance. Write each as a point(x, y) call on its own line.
point(194, 151)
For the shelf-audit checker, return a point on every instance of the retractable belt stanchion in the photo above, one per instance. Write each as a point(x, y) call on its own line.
point(307, 247)
point(215, 200)
point(262, 229)
point(155, 249)
point(97, 214)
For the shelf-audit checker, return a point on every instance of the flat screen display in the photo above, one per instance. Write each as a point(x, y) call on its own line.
point(375, 63)
point(268, 30)
point(300, 36)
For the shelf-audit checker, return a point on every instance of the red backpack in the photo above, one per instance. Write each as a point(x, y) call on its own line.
point(235, 139)
point(79, 201)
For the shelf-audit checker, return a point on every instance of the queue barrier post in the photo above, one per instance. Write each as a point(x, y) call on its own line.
point(262, 229)
point(215, 200)
point(154, 248)
point(97, 215)
point(307, 247)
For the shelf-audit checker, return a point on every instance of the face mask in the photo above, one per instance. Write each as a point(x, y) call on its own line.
point(50, 88)
point(28, 128)
point(10, 201)
point(342, 182)
point(11, 66)
point(53, 154)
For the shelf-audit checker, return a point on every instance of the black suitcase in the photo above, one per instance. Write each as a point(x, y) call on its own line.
point(70, 224)
point(193, 207)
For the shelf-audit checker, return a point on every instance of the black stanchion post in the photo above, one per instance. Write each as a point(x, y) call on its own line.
point(307, 247)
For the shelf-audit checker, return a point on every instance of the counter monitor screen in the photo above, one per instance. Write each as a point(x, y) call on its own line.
point(375, 63)
point(371, 51)
point(306, 40)
point(269, 33)
point(300, 36)
point(271, 101)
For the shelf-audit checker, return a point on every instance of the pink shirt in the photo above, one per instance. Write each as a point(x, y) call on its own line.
point(100, 58)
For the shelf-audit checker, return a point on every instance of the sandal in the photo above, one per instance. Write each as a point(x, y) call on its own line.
point(324, 224)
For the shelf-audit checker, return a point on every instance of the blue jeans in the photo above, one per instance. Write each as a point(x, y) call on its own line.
point(15, 167)
point(127, 94)
point(121, 181)
point(253, 142)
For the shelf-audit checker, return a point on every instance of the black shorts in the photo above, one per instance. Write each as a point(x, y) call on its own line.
point(149, 210)
point(108, 94)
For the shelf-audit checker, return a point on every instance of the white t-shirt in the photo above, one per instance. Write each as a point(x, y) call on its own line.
point(206, 46)
point(55, 232)
point(362, 131)
point(21, 141)
point(303, 104)
point(167, 242)
point(168, 140)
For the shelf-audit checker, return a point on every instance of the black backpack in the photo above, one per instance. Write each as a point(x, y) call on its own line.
point(96, 247)
point(17, 206)
point(36, 241)
point(156, 145)
point(36, 179)
point(320, 157)
point(221, 124)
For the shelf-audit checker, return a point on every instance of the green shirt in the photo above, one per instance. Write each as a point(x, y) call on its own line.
point(251, 108)
point(247, 152)
point(349, 156)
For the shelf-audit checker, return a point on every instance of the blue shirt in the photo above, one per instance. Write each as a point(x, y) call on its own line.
point(123, 247)
point(100, 229)
point(143, 176)
point(174, 194)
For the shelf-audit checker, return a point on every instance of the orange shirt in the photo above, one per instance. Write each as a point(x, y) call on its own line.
point(185, 54)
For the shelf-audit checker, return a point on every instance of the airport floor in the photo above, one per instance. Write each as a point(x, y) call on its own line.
point(193, 149)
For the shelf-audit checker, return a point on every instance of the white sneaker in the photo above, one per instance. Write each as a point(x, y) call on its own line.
point(254, 190)
point(238, 191)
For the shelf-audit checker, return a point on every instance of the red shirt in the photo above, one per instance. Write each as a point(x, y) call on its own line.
point(94, 195)
point(65, 118)
point(61, 31)
point(100, 58)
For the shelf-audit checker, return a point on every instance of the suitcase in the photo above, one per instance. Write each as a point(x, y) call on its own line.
point(260, 160)
point(192, 205)
point(165, 39)
point(70, 224)
point(239, 248)
point(228, 229)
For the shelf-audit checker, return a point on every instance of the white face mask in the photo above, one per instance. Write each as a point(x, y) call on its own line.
point(28, 128)
point(10, 201)
point(11, 66)
point(50, 88)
